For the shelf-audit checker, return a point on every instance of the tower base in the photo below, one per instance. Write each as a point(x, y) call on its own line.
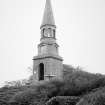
point(47, 67)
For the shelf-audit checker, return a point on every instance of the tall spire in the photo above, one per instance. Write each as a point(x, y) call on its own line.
point(48, 18)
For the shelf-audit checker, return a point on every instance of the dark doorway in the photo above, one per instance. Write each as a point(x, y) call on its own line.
point(41, 71)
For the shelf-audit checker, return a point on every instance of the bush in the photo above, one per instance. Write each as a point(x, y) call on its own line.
point(36, 95)
point(3, 102)
point(63, 100)
point(94, 98)
point(82, 82)
point(28, 97)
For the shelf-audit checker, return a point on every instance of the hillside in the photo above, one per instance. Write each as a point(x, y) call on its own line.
point(78, 87)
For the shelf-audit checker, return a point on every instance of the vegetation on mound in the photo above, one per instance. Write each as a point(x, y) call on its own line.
point(76, 83)
point(94, 98)
point(63, 100)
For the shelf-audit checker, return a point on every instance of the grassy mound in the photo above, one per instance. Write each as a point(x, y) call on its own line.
point(76, 83)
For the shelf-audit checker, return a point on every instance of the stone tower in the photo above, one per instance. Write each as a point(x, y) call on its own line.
point(48, 64)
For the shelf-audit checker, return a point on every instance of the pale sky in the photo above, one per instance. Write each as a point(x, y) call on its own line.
point(80, 34)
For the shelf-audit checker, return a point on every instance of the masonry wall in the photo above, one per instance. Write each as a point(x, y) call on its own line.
point(52, 67)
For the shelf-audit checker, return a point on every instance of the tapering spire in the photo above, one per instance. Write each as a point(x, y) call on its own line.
point(48, 18)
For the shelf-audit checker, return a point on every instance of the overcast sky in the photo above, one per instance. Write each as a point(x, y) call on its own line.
point(80, 34)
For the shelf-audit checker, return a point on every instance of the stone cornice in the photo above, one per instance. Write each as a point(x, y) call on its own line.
point(47, 56)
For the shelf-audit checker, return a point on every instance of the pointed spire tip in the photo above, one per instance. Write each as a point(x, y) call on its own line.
point(48, 18)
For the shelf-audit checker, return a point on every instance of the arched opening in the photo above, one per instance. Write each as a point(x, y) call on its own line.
point(41, 71)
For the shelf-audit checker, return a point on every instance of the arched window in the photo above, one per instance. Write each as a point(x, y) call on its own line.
point(49, 32)
point(41, 71)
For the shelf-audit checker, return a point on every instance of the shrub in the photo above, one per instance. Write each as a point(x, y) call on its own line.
point(28, 97)
point(82, 82)
point(94, 98)
point(63, 100)
point(3, 102)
